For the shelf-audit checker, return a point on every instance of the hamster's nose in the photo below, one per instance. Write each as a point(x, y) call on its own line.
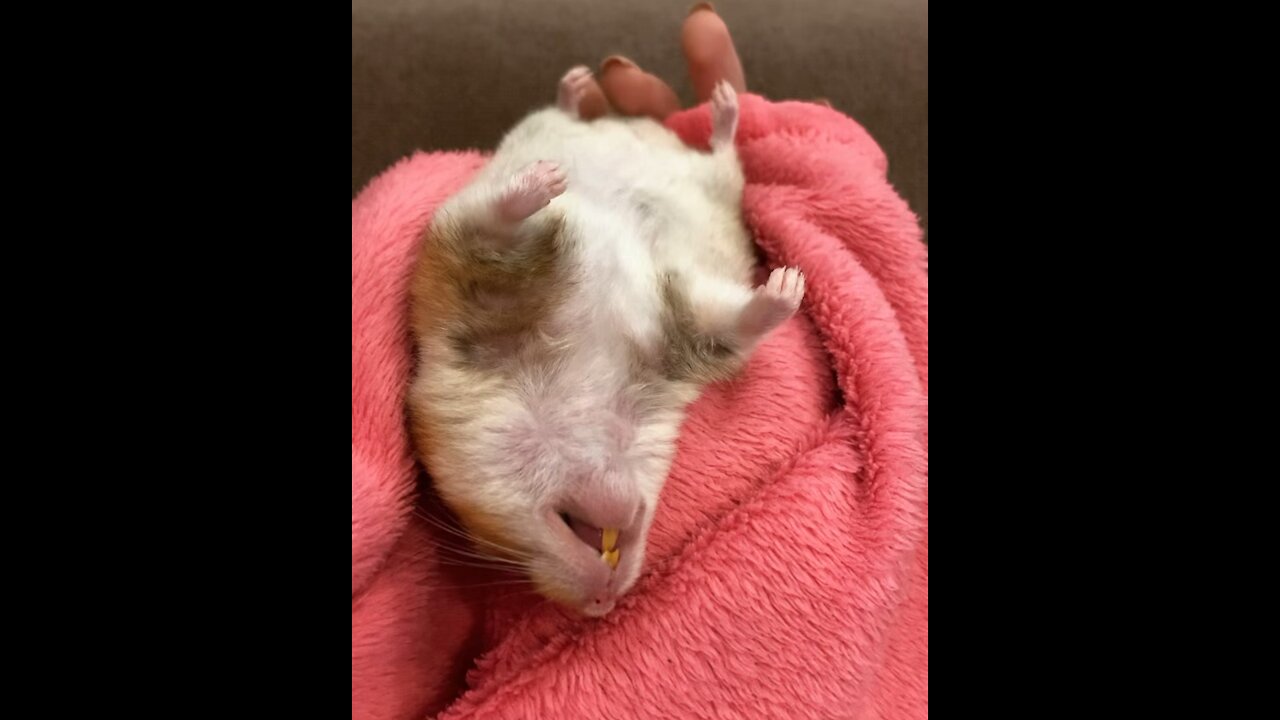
point(600, 508)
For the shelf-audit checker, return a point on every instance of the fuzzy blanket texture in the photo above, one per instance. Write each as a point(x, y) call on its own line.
point(787, 569)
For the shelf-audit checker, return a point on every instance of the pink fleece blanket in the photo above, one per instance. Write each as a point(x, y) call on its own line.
point(788, 563)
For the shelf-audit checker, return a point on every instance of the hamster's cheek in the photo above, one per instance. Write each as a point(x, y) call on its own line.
point(493, 533)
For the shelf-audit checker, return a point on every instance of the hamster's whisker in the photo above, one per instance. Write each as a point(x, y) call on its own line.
point(423, 555)
point(464, 534)
point(482, 556)
point(506, 583)
point(486, 566)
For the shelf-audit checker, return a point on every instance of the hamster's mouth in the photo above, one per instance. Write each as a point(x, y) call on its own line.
point(593, 566)
point(606, 539)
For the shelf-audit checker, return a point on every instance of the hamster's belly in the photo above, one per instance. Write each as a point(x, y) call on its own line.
point(642, 173)
point(639, 205)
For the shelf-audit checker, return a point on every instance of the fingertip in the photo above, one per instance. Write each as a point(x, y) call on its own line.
point(593, 103)
point(616, 61)
point(709, 52)
point(632, 91)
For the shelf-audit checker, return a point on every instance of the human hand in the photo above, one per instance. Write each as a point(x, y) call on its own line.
point(622, 87)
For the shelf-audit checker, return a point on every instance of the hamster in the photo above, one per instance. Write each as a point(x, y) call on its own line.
point(568, 304)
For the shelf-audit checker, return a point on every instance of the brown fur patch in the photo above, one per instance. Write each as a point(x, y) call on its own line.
point(484, 297)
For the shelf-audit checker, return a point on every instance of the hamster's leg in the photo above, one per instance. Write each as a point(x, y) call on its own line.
point(720, 173)
point(711, 325)
point(772, 303)
point(501, 210)
point(576, 86)
point(743, 317)
point(530, 190)
point(724, 116)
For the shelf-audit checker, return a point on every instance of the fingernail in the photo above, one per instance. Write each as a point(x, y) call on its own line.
point(702, 6)
point(616, 60)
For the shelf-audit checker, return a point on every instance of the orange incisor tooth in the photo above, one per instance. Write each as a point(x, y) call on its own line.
point(608, 546)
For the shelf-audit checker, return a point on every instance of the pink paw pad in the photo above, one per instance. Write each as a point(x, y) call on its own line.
point(531, 190)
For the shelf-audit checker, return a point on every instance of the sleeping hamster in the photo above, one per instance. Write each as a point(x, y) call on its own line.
point(569, 303)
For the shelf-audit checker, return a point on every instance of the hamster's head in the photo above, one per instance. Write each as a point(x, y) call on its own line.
point(562, 480)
